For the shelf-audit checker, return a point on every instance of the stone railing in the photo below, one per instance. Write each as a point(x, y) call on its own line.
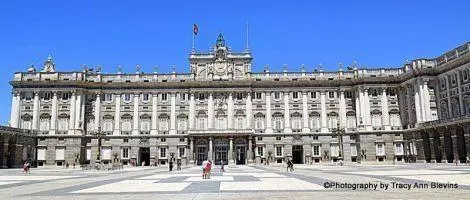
point(443, 121)
point(18, 130)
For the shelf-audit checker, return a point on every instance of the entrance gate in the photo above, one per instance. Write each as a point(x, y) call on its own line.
point(297, 154)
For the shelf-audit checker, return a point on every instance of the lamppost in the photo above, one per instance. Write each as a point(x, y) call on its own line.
point(99, 135)
point(338, 131)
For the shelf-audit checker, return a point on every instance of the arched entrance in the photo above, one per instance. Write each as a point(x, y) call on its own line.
point(221, 151)
point(201, 151)
point(240, 152)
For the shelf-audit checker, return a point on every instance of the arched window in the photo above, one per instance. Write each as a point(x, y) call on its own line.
point(44, 122)
point(108, 122)
point(332, 120)
point(220, 120)
point(351, 119)
point(240, 119)
point(395, 118)
point(201, 120)
point(63, 122)
point(182, 121)
point(278, 121)
point(314, 119)
point(27, 121)
point(126, 123)
point(163, 124)
point(376, 118)
point(145, 122)
point(296, 121)
point(259, 121)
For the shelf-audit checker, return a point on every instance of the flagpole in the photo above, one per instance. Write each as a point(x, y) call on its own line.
point(194, 38)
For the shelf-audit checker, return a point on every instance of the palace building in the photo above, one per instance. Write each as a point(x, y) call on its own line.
point(222, 110)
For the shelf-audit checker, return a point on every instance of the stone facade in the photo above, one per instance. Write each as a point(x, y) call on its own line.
point(221, 110)
point(16, 147)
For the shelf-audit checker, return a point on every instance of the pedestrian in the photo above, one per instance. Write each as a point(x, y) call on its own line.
point(28, 167)
point(25, 167)
point(456, 161)
point(467, 160)
point(171, 166)
point(178, 165)
point(290, 165)
point(222, 166)
point(204, 169)
point(66, 165)
point(143, 163)
point(209, 168)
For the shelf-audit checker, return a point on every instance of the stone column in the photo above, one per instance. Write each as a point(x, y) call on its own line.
point(358, 109)
point(97, 111)
point(385, 114)
point(72, 114)
point(192, 111)
point(15, 110)
point(418, 106)
point(117, 115)
point(342, 109)
point(367, 110)
point(78, 110)
point(459, 87)
point(209, 154)
point(36, 111)
point(230, 152)
point(324, 126)
point(173, 114)
point(427, 101)
point(249, 111)
point(135, 123)
point(191, 150)
point(210, 111)
point(54, 114)
point(269, 121)
point(230, 110)
point(287, 127)
point(154, 114)
point(250, 150)
point(305, 127)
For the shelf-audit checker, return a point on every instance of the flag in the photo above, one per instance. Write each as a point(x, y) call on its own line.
point(195, 29)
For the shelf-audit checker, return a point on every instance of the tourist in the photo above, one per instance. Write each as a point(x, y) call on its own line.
point(456, 160)
point(222, 166)
point(178, 165)
point(290, 165)
point(28, 167)
point(25, 169)
point(208, 169)
point(204, 169)
point(467, 160)
point(143, 163)
point(67, 165)
point(171, 166)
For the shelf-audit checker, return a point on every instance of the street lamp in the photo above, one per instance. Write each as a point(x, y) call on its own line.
point(339, 133)
point(99, 135)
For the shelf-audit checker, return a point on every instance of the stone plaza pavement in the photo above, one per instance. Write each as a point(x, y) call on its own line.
point(409, 181)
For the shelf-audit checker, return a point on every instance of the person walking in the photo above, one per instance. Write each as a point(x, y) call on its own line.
point(209, 168)
point(222, 166)
point(178, 165)
point(290, 165)
point(467, 160)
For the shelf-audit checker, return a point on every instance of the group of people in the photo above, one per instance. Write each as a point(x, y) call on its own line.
point(206, 169)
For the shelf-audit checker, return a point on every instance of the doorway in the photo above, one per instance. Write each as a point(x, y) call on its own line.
point(297, 154)
point(221, 153)
point(241, 157)
point(201, 154)
point(144, 156)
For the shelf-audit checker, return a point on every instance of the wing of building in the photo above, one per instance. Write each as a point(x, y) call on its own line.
point(222, 110)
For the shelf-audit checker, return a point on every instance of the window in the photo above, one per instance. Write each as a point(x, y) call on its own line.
point(181, 139)
point(465, 74)
point(164, 97)
point(108, 97)
point(201, 97)
point(162, 152)
point(260, 151)
point(278, 151)
point(44, 123)
point(316, 150)
point(334, 149)
point(295, 95)
point(127, 97)
point(65, 96)
point(126, 123)
point(376, 120)
point(260, 138)
point(380, 150)
point(313, 95)
point(278, 123)
point(348, 95)
point(28, 96)
point(398, 149)
point(182, 96)
point(353, 149)
point(201, 123)
point(145, 97)
point(240, 122)
point(259, 123)
point(182, 124)
point(278, 138)
point(47, 95)
point(296, 122)
point(163, 140)
point(239, 96)
point(181, 152)
point(145, 122)
point(64, 123)
point(126, 140)
point(331, 95)
point(258, 95)
point(277, 95)
point(163, 125)
point(125, 153)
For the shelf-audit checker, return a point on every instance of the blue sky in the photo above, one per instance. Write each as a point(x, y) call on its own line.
point(148, 33)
